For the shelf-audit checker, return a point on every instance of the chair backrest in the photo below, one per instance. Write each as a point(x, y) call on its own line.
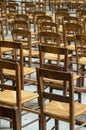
point(22, 17)
point(29, 8)
point(80, 13)
point(48, 26)
point(70, 19)
point(59, 15)
point(43, 94)
point(15, 5)
point(43, 18)
point(2, 9)
point(52, 38)
point(14, 66)
point(23, 36)
point(36, 14)
point(59, 63)
point(40, 6)
point(71, 29)
point(20, 24)
point(11, 11)
point(12, 55)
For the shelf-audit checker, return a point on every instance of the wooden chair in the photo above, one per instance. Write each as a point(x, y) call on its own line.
point(26, 96)
point(57, 106)
point(69, 32)
point(29, 10)
point(36, 14)
point(80, 55)
point(43, 18)
point(23, 22)
point(24, 36)
point(10, 103)
point(58, 19)
point(80, 13)
point(11, 11)
point(59, 58)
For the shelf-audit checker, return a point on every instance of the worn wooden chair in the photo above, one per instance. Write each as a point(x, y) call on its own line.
point(81, 55)
point(59, 58)
point(11, 11)
point(69, 32)
point(24, 36)
point(36, 14)
point(26, 96)
point(20, 24)
point(43, 18)
point(57, 106)
point(58, 19)
point(29, 10)
point(10, 105)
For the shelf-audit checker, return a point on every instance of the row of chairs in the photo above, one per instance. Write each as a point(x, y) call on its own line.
point(44, 36)
point(49, 75)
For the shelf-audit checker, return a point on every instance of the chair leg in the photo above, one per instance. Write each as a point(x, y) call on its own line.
point(43, 122)
point(12, 113)
point(56, 124)
point(16, 119)
point(40, 121)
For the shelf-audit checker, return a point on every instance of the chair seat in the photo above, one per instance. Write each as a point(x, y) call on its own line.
point(27, 71)
point(9, 97)
point(25, 43)
point(33, 53)
point(82, 61)
point(54, 57)
point(60, 110)
point(71, 47)
point(34, 42)
point(6, 49)
point(10, 20)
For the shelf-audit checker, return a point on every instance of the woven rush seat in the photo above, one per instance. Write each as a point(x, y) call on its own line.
point(54, 57)
point(61, 110)
point(82, 61)
point(33, 52)
point(6, 49)
point(9, 97)
point(26, 71)
point(71, 47)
